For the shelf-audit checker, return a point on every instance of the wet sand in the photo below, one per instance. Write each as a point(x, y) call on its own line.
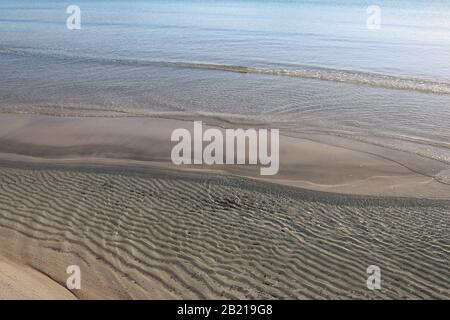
point(102, 193)
point(162, 234)
point(143, 141)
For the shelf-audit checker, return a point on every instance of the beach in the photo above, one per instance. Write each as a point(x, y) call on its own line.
point(158, 234)
point(145, 142)
point(93, 204)
point(103, 194)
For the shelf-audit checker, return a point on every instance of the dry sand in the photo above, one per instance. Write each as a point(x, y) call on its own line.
point(21, 282)
point(101, 193)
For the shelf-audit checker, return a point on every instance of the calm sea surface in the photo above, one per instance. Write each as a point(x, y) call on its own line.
point(309, 66)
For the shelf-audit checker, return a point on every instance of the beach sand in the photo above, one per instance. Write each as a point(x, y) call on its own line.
point(19, 281)
point(143, 141)
point(101, 193)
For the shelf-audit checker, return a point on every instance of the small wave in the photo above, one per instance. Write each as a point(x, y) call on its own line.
point(306, 72)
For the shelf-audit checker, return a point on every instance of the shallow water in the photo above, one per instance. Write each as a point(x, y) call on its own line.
point(197, 236)
point(306, 66)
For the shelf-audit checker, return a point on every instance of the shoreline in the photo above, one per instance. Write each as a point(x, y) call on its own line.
point(146, 142)
point(82, 158)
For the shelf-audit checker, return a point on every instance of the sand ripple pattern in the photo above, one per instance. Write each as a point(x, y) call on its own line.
point(226, 237)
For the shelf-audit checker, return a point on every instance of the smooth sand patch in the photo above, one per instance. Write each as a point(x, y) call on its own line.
point(21, 282)
point(146, 141)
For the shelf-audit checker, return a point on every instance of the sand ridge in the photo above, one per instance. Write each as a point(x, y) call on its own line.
point(146, 141)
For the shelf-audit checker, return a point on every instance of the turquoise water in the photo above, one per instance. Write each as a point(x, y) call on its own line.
point(309, 65)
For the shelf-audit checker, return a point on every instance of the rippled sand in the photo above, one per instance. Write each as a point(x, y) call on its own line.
point(147, 233)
